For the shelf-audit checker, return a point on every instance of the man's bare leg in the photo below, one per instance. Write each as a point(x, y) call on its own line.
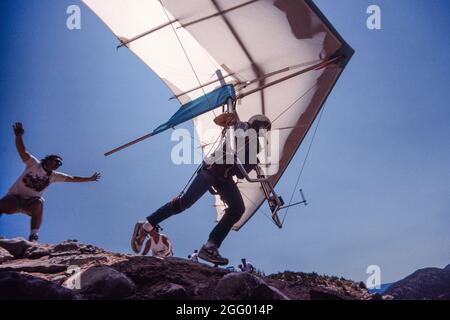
point(36, 211)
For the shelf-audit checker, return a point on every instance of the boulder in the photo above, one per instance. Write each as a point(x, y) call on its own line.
point(38, 251)
point(321, 293)
point(171, 291)
point(79, 259)
point(101, 282)
point(33, 266)
point(424, 284)
point(71, 247)
point(5, 256)
point(245, 286)
point(16, 246)
point(66, 246)
point(17, 286)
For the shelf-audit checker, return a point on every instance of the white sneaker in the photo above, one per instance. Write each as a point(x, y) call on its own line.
point(138, 237)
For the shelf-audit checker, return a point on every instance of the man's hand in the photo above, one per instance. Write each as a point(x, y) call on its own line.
point(95, 177)
point(18, 132)
point(18, 129)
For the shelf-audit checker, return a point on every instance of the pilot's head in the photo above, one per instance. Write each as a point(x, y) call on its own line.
point(260, 122)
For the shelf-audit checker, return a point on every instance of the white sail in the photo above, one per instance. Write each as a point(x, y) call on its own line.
point(257, 42)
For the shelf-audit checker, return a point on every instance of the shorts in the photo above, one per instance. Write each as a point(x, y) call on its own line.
point(22, 204)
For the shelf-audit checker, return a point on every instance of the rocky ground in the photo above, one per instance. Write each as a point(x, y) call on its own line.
point(72, 270)
point(426, 283)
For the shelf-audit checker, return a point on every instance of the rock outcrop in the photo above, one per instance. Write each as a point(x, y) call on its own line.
point(101, 282)
point(18, 286)
point(72, 270)
point(245, 286)
point(16, 246)
point(424, 284)
point(5, 256)
point(311, 286)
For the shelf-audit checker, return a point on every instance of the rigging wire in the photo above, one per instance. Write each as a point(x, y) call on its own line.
point(293, 103)
point(185, 53)
point(259, 209)
point(200, 165)
point(304, 163)
point(281, 114)
point(301, 171)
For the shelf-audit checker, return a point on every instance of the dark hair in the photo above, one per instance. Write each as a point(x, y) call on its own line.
point(51, 157)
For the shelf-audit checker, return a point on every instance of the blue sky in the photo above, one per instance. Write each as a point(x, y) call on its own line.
point(377, 178)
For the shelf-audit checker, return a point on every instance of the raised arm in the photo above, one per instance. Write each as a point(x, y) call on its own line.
point(19, 132)
point(95, 177)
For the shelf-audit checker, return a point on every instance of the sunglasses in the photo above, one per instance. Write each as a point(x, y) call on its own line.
point(58, 162)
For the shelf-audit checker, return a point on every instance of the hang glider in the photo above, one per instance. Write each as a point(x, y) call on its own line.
point(280, 58)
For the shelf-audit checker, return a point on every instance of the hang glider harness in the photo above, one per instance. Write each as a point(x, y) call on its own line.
point(225, 97)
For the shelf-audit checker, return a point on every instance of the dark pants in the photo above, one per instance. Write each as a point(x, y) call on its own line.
point(229, 193)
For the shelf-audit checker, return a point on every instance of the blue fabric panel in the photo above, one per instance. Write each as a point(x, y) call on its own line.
point(196, 107)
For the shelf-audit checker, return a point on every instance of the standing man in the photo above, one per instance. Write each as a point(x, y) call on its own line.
point(25, 196)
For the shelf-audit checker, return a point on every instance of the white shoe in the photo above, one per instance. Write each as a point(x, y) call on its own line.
point(139, 236)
